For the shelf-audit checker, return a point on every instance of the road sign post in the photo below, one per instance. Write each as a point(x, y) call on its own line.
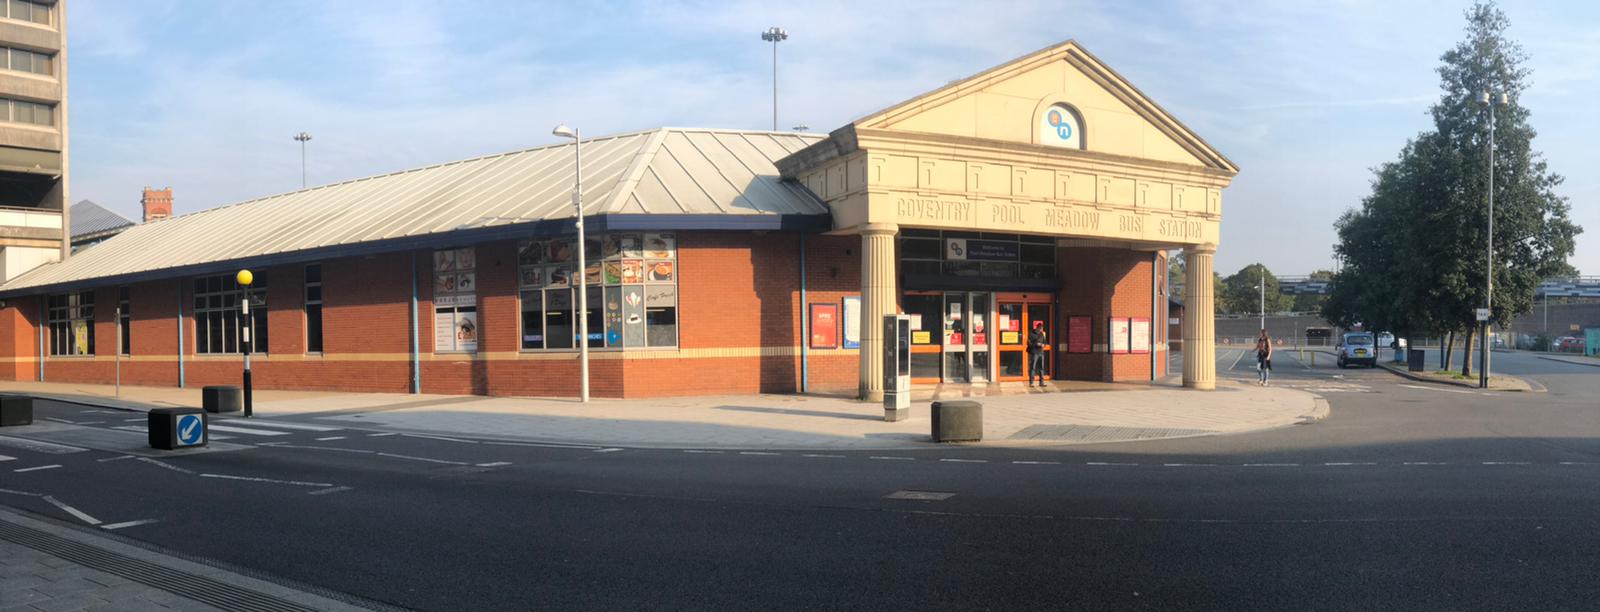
point(245, 278)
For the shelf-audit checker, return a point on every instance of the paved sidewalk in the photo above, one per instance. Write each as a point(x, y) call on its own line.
point(108, 575)
point(1580, 360)
point(1129, 412)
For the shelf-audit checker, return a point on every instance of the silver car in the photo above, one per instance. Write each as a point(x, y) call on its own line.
point(1357, 348)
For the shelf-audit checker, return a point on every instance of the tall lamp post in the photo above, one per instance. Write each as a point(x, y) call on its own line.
point(1263, 288)
point(583, 263)
point(244, 277)
point(775, 35)
point(303, 137)
point(1490, 100)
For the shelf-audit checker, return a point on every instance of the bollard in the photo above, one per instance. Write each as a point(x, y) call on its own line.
point(16, 410)
point(957, 421)
point(175, 428)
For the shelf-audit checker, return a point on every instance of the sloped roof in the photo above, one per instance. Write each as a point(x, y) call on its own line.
point(90, 218)
point(662, 172)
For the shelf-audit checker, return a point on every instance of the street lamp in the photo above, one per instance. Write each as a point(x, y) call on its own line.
point(775, 35)
point(583, 261)
point(244, 277)
point(1263, 287)
point(1490, 100)
point(303, 137)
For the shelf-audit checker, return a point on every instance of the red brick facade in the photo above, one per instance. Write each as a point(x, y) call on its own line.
point(740, 318)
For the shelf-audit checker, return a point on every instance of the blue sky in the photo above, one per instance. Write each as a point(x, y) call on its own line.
point(1306, 97)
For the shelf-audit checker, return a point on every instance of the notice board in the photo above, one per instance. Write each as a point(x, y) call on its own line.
point(1080, 334)
point(1139, 335)
point(1117, 336)
point(825, 326)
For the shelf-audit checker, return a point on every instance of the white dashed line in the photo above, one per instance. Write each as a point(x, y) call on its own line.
point(879, 458)
point(129, 524)
point(1424, 463)
point(330, 438)
point(440, 438)
point(1345, 463)
point(964, 460)
point(295, 426)
point(815, 456)
point(382, 435)
point(444, 461)
point(116, 458)
point(1036, 462)
point(328, 490)
point(4, 458)
point(1507, 463)
point(494, 464)
point(608, 450)
point(1189, 465)
point(37, 468)
point(1110, 463)
point(73, 511)
point(247, 430)
point(298, 483)
point(1576, 463)
point(759, 453)
point(703, 452)
point(1272, 465)
point(165, 465)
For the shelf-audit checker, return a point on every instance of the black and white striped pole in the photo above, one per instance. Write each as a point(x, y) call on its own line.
point(245, 278)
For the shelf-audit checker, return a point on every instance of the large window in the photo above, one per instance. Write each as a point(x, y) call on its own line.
point(633, 291)
point(990, 255)
point(23, 60)
point(313, 284)
point(455, 301)
point(218, 323)
point(124, 330)
point(26, 10)
point(71, 320)
point(19, 111)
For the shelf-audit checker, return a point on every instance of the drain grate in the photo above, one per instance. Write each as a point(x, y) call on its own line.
point(1097, 433)
point(199, 588)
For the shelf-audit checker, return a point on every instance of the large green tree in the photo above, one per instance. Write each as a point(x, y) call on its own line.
point(1241, 295)
point(1416, 249)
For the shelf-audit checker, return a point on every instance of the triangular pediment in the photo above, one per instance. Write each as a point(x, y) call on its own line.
point(1019, 101)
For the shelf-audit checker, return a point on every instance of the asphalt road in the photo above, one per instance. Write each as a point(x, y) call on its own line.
point(1410, 496)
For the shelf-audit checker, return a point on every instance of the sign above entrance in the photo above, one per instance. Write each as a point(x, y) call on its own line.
point(980, 250)
point(1059, 127)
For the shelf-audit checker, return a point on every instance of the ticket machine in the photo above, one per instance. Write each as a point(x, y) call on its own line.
point(896, 367)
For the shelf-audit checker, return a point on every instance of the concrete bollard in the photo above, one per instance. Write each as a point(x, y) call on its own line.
point(221, 398)
point(16, 410)
point(957, 421)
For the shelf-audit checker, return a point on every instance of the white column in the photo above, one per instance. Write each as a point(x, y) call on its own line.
point(877, 300)
point(1199, 319)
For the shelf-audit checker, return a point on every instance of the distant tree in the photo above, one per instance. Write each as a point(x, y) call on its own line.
point(1242, 295)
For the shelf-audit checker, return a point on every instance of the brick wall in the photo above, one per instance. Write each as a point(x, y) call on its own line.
point(1103, 283)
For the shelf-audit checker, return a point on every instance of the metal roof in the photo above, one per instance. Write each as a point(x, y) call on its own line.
point(668, 172)
point(91, 218)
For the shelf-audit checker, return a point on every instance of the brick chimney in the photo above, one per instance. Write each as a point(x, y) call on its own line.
point(157, 204)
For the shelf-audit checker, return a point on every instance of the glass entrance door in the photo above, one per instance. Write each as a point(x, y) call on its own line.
point(966, 337)
point(1016, 315)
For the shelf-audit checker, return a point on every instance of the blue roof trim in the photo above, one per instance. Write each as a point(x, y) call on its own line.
point(457, 238)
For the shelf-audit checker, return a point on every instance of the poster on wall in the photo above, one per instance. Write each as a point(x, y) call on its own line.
point(1118, 336)
point(633, 316)
point(444, 330)
point(613, 316)
point(824, 326)
point(1139, 335)
point(466, 330)
point(1080, 334)
point(852, 322)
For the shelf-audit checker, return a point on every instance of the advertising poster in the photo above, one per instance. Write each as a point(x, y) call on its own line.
point(613, 316)
point(1080, 334)
point(444, 330)
point(1117, 337)
point(824, 326)
point(632, 271)
point(852, 322)
point(1139, 335)
point(80, 337)
point(921, 337)
point(466, 330)
point(660, 271)
point(532, 253)
point(633, 316)
point(660, 246)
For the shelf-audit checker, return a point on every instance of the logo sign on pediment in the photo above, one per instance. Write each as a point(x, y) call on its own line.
point(1059, 127)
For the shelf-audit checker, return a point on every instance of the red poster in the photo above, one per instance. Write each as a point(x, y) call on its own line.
point(1080, 334)
point(824, 326)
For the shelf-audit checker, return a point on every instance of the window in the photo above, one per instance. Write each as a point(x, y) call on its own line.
point(124, 331)
point(218, 324)
point(455, 301)
point(27, 112)
point(972, 254)
point(23, 60)
point(25, 10)
point(70, 317)
point(633, 291)
point(313, 284)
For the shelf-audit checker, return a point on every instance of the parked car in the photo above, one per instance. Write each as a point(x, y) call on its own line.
point(1357, 348)
point(1571, 344)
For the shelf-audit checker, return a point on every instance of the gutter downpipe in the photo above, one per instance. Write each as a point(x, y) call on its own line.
point(1155, 259)
point(416, 360)
point(805, 334)
point(180, 335)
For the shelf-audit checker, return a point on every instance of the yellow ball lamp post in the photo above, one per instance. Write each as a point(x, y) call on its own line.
point(245, 278)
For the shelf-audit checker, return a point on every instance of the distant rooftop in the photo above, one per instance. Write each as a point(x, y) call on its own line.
point(90, 220)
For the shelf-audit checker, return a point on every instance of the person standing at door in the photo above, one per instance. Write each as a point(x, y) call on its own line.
point(1036, 344)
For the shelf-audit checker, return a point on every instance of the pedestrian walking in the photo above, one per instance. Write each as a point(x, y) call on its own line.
point(1264, 356)
point(1036, 353)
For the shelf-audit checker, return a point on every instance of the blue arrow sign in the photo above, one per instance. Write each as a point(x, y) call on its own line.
point(191, 429)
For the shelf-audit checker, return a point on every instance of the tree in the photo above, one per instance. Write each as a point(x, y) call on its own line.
point(1415, 251)
point(1242, 296)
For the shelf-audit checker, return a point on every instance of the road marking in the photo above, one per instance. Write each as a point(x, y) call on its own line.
point(40, 447)
point(540, 445)
point(893, 458)
point(444, 461)
point(73, 511)
point(247, 430)
point(4, 458)
point(136, 419)
point(298, 483)
point(1576, 463)
point(920, 495)
point(382, 435)
point(116, 458)
point(294, 426)
point(1108, 463)
point(1272, 465)
point(965, 460)
point(1507, 463)
point(328, 490)
point(609, 450)
point(703, 452)
point(440, 438)
point(1236, 361)
point(330, 438)
point(1342, 463)
point(60, 420)
point(1424, 463)
point(1189, 464)
point(494, 464)
point(1438, 389)
point(320, 448)
point(759, 453)
point(165, 465)
point(129, 524)
point(816, 456)
point(1036, 462)
point(23, 493)
point(37, 468)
